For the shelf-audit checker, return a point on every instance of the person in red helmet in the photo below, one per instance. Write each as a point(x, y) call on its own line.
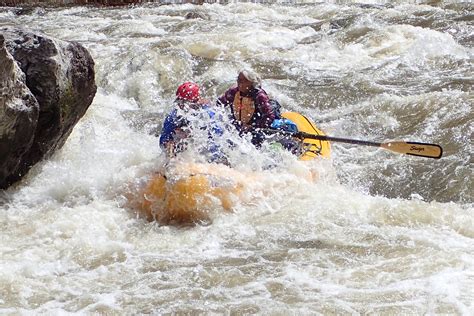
point(176, 127)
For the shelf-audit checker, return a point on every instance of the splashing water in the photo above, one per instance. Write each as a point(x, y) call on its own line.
point(377, 233)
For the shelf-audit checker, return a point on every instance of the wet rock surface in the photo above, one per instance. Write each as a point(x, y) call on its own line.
point(47, 86)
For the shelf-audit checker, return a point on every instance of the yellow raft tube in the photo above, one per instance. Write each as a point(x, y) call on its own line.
point(197, 190)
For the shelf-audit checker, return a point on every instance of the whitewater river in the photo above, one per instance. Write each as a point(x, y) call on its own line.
point(379, 233)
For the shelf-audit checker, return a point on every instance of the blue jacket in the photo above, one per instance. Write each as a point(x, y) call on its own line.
point(175, 121)
point(172, 122)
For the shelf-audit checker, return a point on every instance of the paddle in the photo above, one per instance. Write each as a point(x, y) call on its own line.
point(407, 148)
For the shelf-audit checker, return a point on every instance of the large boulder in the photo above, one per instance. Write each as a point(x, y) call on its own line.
point(18, 116)
point(60, 86)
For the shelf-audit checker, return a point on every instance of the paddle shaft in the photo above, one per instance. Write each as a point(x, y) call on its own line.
point(337, 139)
point(408, 148)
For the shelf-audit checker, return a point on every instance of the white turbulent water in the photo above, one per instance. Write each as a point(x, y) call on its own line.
point(378, 233)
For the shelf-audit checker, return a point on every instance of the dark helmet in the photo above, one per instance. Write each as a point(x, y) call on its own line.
point(188, 91)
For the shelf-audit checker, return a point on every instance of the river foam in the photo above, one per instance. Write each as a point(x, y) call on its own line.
point(378, 232)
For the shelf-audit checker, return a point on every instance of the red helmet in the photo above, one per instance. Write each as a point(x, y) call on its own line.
point(188, 91)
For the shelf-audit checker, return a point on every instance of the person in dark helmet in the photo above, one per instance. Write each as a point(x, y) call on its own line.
point(249, 105)
point(176, 128)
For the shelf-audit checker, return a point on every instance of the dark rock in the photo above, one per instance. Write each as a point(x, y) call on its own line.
point(18, 116)
point(60, 75)
point(196, 15)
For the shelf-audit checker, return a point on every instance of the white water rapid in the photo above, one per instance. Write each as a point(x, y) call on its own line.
point(379, 233)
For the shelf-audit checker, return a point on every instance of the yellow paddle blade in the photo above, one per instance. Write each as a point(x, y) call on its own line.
point(414, 149)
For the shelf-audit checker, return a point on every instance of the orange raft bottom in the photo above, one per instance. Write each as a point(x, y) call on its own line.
point(192, 194)
point(195, 193)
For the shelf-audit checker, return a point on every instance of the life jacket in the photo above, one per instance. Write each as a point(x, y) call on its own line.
point(244, 108)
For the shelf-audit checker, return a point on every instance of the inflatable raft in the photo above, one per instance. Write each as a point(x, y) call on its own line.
point(191, 193)
point(311, 148)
